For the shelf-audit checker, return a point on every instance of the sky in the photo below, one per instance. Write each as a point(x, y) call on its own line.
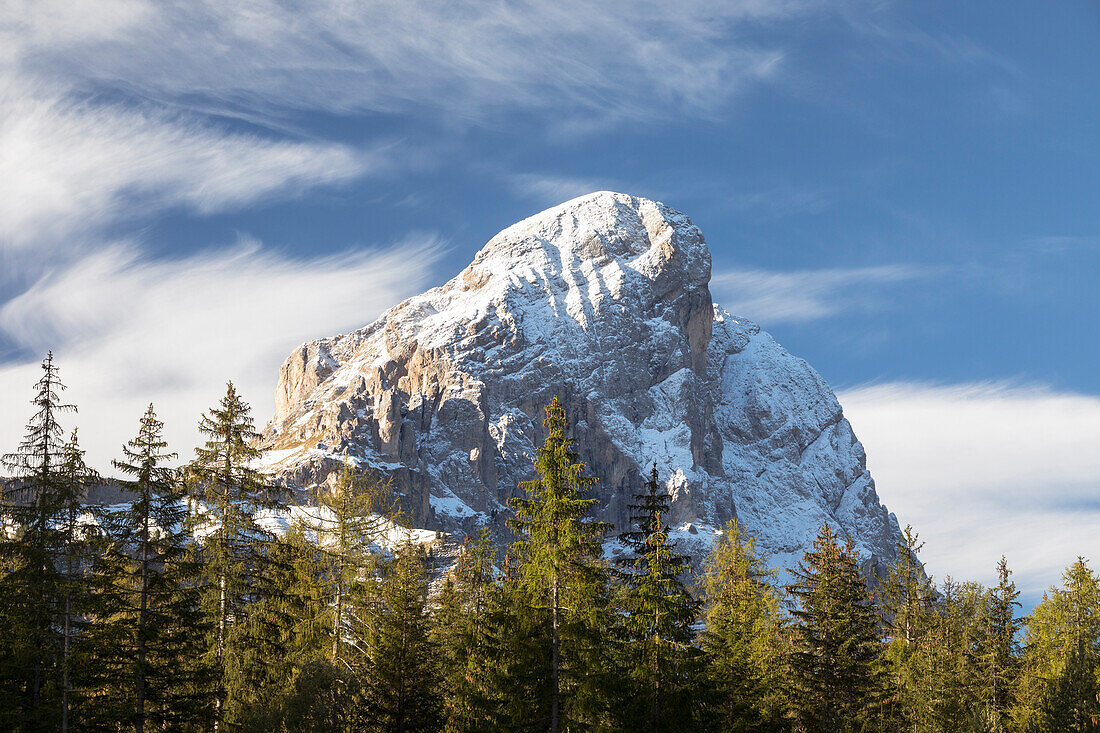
point(904, 194)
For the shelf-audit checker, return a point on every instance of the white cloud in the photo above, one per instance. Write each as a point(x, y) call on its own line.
point(126, 331)
point(638, 58)
point(74, 157)
point(73, 167)
point(984, 470)
point(772, 297)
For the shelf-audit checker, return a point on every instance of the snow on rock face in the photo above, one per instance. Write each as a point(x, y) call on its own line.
point(604, 302)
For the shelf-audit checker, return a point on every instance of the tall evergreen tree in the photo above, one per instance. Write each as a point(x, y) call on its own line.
point(837, 642)
point(1057, 682)
point(514, 660)
point(230, 494)
point(75, 478)
point(348, 524)
point(402, 687)
point(906, 602)
point(659, 613)
point(1072, 700)
point(32, 548)
point(468, 608)
point(1001, 661)
point(152, 637)
point(559, 568)
point(744, 639)
point(954, 658)
point(322, 580)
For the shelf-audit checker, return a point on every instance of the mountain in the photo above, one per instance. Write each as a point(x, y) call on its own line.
point(604, 302)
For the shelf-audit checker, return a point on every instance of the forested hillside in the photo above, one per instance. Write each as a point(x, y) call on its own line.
point(181, 609)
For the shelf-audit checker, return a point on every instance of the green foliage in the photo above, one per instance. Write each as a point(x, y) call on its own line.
point(1058, 678)
point(836, 639)
point(347, 528)
point(145, 666)
point(237, 553)
point(658, 612)
point(180, 611)
point(745, 639)
point(912, 658)
point(1000, 664)
point(323, 698)
point(40, 555)
point(467, 614)
point(562, 580)
point(403, 679)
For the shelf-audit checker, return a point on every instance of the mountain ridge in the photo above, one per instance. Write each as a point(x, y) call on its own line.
point(604, 302)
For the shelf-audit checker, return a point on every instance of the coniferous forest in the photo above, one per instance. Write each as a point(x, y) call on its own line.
point(179, 609)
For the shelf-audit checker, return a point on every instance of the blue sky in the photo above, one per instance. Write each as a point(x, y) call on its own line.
point(906, 195)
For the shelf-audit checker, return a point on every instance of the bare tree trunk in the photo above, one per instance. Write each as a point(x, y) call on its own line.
point(555, 662)
point(66, 649)
point(337, 616)
point(139, 704)
point(219, 650)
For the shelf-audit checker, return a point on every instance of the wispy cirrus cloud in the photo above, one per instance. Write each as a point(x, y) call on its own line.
point(637, 59)
point(127, 330)
point(986, 469)
point(114, 111)
point(773, 296)
point(73, 167)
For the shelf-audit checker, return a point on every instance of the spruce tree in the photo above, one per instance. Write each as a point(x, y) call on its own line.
point(229, 493)
point(151, 639)
point(32, 548)
point(659, 613)
point(559, 568)
point(1072, 699)
point(1002, 657)
point(348, 522)
point(75, 545)
point(744, 639)
point(514, 658)
point(906, 601)
point(1061, 646)
point(463, 631)
point(837, 641)
point(403, 685)
point(954, 659)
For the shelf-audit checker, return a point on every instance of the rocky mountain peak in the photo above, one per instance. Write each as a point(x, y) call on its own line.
point(604, 302)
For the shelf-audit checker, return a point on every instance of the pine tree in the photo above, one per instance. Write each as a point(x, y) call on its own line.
point(402, 686)
point(468, 607)
point(560, 573)
point(229, 494)
point(322, 699)
point(75, 478)
point(1061, 646)
point(659, 613)
point(744, 639)
point(514, 658)
point(32, 548)
point(836, 636)
point(349, 523)
point(1002, 658)
point(906, 601)
point(151, 638)
point(1072, 701)
point(954, 666)
point(271, 647)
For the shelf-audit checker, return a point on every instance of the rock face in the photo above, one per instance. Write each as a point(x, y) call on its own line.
point(602, 301)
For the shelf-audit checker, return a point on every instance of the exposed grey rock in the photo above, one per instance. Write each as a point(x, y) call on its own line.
point(604, 302)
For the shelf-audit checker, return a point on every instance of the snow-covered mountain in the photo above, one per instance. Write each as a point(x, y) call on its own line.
point(604, 302)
